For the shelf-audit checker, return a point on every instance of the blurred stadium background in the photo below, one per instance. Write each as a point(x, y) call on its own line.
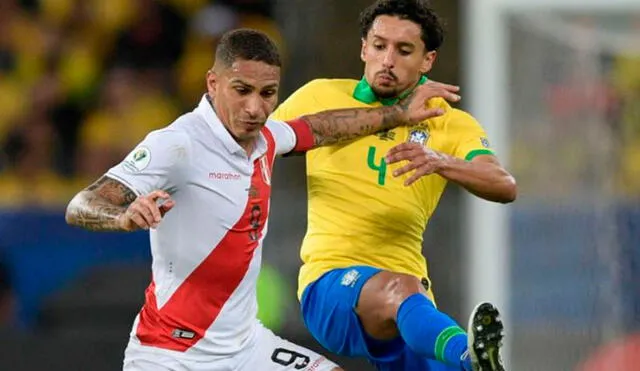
point(556, 83)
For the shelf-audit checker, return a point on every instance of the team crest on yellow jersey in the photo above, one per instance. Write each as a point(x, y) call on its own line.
point(418, 135)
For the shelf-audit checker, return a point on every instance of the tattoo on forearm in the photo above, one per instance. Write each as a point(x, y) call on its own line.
point(345, 124)
point(113, 191)
point(98, 207)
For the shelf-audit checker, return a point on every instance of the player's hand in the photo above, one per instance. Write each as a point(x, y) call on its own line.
point(423, 160)
point(415, 108)
point(146, 211)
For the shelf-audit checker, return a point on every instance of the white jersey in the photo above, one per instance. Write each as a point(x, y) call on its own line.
point(201, 303)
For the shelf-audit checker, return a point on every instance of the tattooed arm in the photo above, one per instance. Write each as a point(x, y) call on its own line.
point(99, 206)
point(334, 126)
point(109, 205)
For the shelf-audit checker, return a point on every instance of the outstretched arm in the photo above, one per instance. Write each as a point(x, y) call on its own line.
point(334, 126)
point(483, 176)
point(109, 205)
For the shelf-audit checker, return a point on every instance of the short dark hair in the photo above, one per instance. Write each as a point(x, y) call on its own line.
point(417, 11)
point(249, 45)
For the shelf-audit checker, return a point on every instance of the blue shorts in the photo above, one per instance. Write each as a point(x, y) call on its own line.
point(328, 309)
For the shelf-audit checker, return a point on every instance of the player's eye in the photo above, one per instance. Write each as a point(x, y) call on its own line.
point(405, 52)
point(268, 93)
point(378, 46)
point(242, 90)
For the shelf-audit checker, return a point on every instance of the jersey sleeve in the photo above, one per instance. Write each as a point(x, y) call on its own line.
point(467, 137)
point(291, 136)
point(155, 163)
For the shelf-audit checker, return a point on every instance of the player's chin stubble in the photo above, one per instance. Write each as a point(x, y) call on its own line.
point(385, 93)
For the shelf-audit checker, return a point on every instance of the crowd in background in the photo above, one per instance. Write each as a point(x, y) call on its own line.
point(82, 81)
point(577, 132)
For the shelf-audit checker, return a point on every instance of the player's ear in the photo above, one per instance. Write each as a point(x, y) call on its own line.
point(427, 62)
point(363, 49)
point(212, 82)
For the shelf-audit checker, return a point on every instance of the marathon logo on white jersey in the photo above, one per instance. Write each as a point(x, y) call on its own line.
point(219, 175)
point(316, 364)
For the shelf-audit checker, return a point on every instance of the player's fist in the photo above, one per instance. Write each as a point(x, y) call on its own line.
point(415, 106)
point(146, 211)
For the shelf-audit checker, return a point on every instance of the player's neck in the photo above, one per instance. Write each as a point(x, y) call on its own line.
point(364, 92)
point(247, 145)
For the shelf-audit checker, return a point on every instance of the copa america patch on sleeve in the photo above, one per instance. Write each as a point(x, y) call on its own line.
point(137, 160)
point(485, 142)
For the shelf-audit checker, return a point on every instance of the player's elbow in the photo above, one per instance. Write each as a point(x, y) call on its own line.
point(70, 214)
point(510, 190)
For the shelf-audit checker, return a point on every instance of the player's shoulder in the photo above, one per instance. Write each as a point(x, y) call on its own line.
point(452, 117)
point(179, 132)
point(324, 85)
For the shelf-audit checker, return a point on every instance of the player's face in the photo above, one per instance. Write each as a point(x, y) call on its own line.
point(395, 56)
point(244, 96)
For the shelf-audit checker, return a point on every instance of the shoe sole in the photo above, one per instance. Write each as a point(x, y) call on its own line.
point(485, 333)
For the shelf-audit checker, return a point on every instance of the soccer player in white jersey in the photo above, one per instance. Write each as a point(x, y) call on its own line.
point(211, 169)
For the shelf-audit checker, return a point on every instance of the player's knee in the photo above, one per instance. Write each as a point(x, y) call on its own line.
point(400, 287)
point(388, 290)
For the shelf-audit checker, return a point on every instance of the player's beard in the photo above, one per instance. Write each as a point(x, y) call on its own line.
point(385, 93)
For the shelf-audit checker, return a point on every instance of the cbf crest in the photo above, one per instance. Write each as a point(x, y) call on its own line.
point(418, 135)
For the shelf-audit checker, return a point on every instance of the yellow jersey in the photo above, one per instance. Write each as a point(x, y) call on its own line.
point(358, 213)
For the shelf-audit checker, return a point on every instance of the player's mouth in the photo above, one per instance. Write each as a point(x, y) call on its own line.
point(252, 125)
point(386, 78)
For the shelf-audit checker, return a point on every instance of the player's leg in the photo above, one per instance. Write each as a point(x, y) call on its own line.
point(328, 309)
point(393, 304)
point(273, 353)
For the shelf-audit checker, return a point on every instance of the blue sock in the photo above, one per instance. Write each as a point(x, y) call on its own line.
point(431, 333)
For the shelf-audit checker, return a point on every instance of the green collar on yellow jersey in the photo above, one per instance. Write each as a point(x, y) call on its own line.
point(365, 94)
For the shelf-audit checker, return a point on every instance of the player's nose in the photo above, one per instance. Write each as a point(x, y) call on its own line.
point(253, 106)
point(389, 59)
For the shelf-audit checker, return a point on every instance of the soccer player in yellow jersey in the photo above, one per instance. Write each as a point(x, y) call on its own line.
point(363, 287)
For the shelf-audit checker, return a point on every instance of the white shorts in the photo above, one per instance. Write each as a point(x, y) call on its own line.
point(267, 353)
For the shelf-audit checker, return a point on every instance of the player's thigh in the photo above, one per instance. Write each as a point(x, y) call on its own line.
point(272, 353)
